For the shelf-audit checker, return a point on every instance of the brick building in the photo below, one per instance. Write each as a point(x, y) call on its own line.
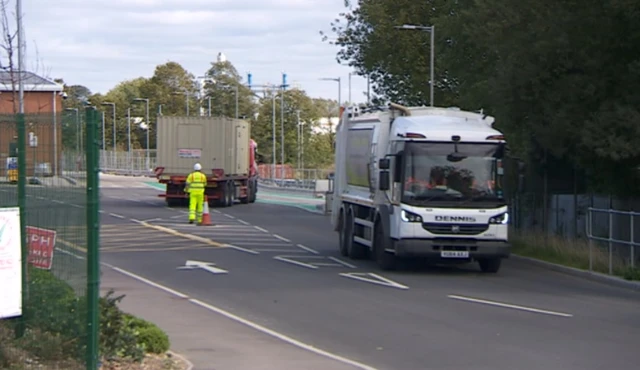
point(43, 108)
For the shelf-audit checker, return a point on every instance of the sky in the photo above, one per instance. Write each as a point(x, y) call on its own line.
point(99, 43)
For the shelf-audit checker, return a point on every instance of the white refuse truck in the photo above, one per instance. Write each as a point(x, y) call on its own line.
point(421, 182)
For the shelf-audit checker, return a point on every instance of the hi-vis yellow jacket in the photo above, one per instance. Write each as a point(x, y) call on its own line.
point(196, 182)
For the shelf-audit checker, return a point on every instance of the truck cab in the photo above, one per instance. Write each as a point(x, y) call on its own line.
point(423, 183)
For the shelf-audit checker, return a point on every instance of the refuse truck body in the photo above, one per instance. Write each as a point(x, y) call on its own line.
point(420, 182)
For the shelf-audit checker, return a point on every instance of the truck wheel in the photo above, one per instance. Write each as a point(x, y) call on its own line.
point(254, 192)
point(385, 260)
point(490, 265)
point(342, 242)
point(230, 193)
point(356, 251)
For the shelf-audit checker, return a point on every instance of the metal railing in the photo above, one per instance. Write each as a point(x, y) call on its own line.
point(618, 230)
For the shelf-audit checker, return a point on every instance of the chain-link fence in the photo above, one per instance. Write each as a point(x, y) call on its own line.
point(48, 295)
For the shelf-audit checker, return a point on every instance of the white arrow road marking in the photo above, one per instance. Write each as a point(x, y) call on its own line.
point(507, 305)
point(377, 279)
point(207, 266)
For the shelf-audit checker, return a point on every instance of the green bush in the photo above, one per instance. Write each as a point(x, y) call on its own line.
point(53, 310)
point(148, 334)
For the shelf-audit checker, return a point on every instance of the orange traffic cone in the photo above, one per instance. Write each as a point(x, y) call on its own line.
point(206, 218)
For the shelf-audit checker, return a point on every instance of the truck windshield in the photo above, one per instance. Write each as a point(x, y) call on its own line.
point(453, 175)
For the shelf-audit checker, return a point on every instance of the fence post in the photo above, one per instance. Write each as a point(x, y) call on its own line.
point(610, 241)
point(22, 205)
point(589, 236)
point(93, 234)
point(632, 215)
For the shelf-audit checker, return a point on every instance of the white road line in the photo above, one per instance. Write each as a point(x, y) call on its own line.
point(216, 211)
point(244, 222)
point(178, 216)
point(277, 250)
point(379, 280)
point(343, 263)
point(229, 216)
point(281, 238)
point(261, 229)
point(507, 305)
point(152, 219)
point(306, 249)
point(57, 201)
point(282, 337)
point(250, 251)
point(102, 211)
point(134, 200)
point(261, 243)
point(75, 205)
point(294, 262)
point(116, 215)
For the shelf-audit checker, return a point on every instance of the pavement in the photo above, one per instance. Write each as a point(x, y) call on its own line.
point(269, 274)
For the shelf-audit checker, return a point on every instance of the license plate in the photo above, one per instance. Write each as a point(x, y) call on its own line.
point(454, 254)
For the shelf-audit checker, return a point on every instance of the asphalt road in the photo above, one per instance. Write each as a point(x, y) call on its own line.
point(284, 272)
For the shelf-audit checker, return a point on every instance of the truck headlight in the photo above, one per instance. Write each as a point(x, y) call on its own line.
point(501, 219)
point(407, 216)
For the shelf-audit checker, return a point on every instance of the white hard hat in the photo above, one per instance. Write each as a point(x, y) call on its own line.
point(197, 167)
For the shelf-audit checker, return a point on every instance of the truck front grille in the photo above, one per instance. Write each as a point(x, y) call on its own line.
point(455, 229)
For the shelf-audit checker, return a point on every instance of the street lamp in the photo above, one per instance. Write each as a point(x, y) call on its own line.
point(113, 106)
point(432, 31)
point(339, 81)
point(78, 133)
point(148, 124)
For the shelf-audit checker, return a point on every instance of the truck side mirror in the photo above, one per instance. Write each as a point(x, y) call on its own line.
point(384, 164)
point(384, 183)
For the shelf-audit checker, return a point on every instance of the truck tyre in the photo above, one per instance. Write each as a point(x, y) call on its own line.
point(229, 193)
point(254, 192)
point(342, 242)
point(490, 265)
point(247, 199)
point(357, 251)
point(385, 260)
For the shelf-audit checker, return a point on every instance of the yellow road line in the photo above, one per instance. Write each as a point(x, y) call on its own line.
point(70, 245)
point(182, 235)
point(109, 244)
point(125, 249)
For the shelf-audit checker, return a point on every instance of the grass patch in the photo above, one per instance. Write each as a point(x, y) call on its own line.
point(569, 252)
point(56, 332)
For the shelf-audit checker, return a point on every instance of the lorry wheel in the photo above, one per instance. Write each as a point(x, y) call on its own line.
point(385, 260)
point(356, 251)
point(342, 243)
point(490, 265)
point(254, 192)
point(230, 194)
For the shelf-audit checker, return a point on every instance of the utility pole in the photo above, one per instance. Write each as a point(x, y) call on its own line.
point(299, 137)
point(284, 86)
point(20, 56)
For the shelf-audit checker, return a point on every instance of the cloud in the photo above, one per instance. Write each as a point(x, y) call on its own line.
point(99, 43)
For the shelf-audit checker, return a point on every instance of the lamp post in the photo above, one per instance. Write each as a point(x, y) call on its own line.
point(432, 31)
point(148, 126)
point(339, 81)
point(78, 133)
point(129, 137)
point(113, 106)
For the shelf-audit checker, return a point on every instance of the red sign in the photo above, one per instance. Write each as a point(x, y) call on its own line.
point(41, 246)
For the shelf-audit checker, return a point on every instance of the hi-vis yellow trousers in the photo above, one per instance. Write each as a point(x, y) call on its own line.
point(196, 201)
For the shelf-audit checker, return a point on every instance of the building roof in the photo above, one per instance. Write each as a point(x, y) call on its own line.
point(32, 82)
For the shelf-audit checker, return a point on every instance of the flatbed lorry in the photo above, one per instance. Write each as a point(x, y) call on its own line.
point(420, 182)
point(224, 148)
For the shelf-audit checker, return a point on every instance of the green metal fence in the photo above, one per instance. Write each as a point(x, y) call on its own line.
point(59, 225)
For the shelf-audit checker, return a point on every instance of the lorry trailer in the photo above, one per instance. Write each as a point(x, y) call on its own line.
point(224, 148)
point(423, 182)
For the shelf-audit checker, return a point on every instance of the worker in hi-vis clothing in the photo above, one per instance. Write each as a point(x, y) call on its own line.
point(196, 183)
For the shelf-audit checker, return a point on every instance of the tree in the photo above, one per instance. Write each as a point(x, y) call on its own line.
point(220, 88)
point(559, 77)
